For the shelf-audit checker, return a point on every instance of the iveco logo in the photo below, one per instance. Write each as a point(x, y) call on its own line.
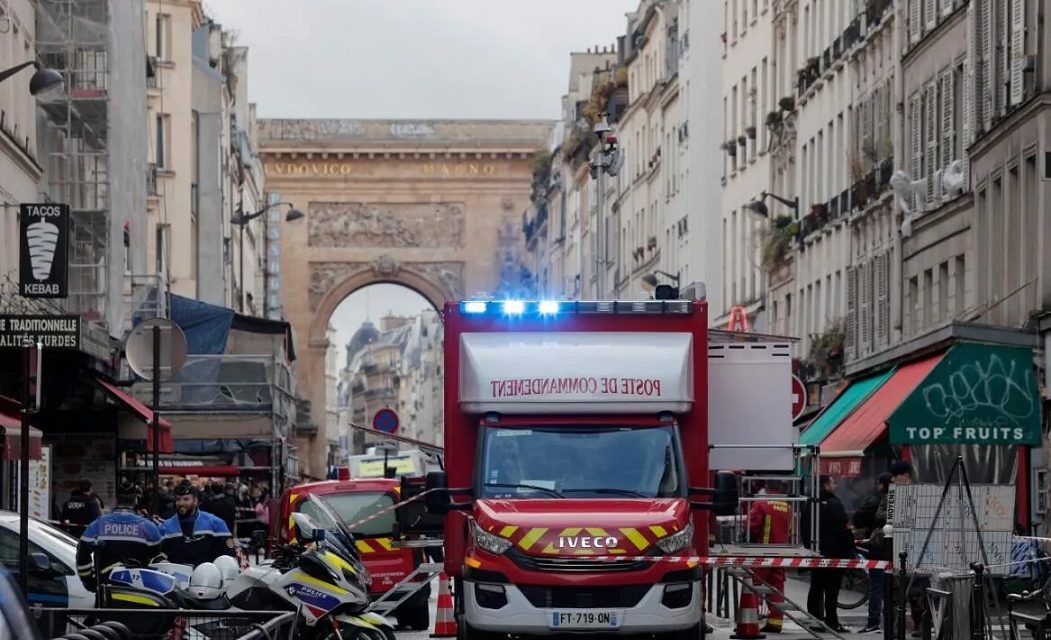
point(587, 542)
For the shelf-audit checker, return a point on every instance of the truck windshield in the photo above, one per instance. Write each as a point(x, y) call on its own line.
point(580, 462)
point(353, 507)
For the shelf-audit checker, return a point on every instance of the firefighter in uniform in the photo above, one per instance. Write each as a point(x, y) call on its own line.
point(121, 537)
point(769, 522)
point(192, 536)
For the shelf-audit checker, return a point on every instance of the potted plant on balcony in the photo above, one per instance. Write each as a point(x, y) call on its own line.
point(730, 147)
point(826, 351)
point(776, 243)
point(787, 103)
point(750, 132)
point(742, 140)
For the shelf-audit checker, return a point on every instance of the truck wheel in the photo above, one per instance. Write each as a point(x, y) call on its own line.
point(415, 615)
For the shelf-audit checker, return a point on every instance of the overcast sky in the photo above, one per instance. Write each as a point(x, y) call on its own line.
point(415, 58)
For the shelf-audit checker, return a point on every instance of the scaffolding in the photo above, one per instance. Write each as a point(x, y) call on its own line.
point(73, 38)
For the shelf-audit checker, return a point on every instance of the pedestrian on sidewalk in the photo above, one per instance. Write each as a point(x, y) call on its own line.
point(769, 522)
point(865, 528)
point(836, 541)
point(883, 548)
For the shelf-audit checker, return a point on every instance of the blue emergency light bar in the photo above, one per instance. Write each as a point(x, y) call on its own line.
point(518, 308)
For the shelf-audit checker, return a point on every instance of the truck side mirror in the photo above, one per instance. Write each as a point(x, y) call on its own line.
point(438, 499)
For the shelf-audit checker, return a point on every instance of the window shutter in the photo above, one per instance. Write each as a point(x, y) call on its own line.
point(947, 7)
point(967, 102)
point(914, 21)
point(930, 12)
point(930, 124)
point(1003, 85)
point(915, 136)
point(948, 143)
point(851, 329)
point(883, 299)
point(1017, 51)
point(864, 309)
point(988, 57)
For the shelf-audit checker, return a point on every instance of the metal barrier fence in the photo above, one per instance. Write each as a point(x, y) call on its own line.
point(159, 624)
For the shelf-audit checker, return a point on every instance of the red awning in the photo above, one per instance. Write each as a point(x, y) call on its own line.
point(12, 443)
point(845, 446)
point(144, 413)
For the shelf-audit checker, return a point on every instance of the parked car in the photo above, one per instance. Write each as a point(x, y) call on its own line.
point(15, 620)
point(58, 587)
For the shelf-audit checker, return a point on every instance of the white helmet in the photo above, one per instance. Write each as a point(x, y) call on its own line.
point(206, 582)
point(228, 568)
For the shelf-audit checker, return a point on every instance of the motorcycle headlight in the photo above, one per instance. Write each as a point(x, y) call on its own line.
point(489, 542)
point(677, 541)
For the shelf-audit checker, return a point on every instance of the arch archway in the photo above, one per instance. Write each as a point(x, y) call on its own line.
point(435, 206)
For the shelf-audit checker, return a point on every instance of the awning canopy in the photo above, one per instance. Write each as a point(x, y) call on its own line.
point(142, 412)
point(11, 424)
point(867, 423)
point(977, 394)
point(842, 407)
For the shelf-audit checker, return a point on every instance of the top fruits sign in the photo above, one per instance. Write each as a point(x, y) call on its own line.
point(44, 250)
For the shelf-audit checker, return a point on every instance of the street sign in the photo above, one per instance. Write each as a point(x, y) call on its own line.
point(798, 397)
point(54, 332)
point(385, 420)
point(139, 349)
point(43, 266)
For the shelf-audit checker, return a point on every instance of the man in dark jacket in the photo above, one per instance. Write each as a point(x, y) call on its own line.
point(835, 541)
point(221, 505)
point(883, 548)
point(80, 510)
point(865, 526)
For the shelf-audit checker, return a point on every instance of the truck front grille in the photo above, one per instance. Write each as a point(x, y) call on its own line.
point(576, 565)
point(583, 597)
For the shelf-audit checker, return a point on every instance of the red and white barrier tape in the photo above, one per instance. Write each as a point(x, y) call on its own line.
point(751, 561)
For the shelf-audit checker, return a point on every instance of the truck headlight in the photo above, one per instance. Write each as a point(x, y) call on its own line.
point(489, 542)
point(677, 541)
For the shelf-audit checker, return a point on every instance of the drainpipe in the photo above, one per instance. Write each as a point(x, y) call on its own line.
point(898, 264)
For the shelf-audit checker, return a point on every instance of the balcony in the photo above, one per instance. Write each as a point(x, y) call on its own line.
point(226, 384)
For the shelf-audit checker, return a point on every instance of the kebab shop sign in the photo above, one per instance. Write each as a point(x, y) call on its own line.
point(576, 386)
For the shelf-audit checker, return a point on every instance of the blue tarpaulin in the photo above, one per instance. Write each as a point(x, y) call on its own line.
point(206, 327)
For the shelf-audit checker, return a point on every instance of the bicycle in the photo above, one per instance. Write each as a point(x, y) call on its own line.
point(854, 591)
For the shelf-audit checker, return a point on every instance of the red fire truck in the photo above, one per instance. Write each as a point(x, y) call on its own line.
point(573, 434)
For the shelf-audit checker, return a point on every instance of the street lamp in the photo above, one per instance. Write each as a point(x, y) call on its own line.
point(43, 80)
point(759, 207)
point(241, 220)
point(662, 291)
point(608, 162)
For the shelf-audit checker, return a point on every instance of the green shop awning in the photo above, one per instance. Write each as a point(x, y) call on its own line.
point(978, 394)
point(842, 407)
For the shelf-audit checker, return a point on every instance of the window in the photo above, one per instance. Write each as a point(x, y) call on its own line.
point(352, 507)
point(162, 37)
point(914, 305)
point(538, 462)
point(960, 280)
point(162, 133)
point(943, 291)
point(928, 298)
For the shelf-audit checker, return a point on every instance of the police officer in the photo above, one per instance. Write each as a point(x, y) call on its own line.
point(120, 537)
point(192, 536)
point(81, 509)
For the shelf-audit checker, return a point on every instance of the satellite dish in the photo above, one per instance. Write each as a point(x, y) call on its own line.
point(139, 349)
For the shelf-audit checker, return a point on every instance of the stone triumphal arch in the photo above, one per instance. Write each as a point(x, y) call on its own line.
point(424, 204)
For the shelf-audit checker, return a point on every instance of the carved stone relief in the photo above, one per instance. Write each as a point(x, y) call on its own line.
point(324, 276)
point(386, 225)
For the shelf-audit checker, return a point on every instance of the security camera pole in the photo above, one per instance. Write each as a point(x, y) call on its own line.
point(607, 162)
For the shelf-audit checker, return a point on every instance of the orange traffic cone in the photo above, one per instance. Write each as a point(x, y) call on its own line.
point(748, 616)
point(444, 622)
